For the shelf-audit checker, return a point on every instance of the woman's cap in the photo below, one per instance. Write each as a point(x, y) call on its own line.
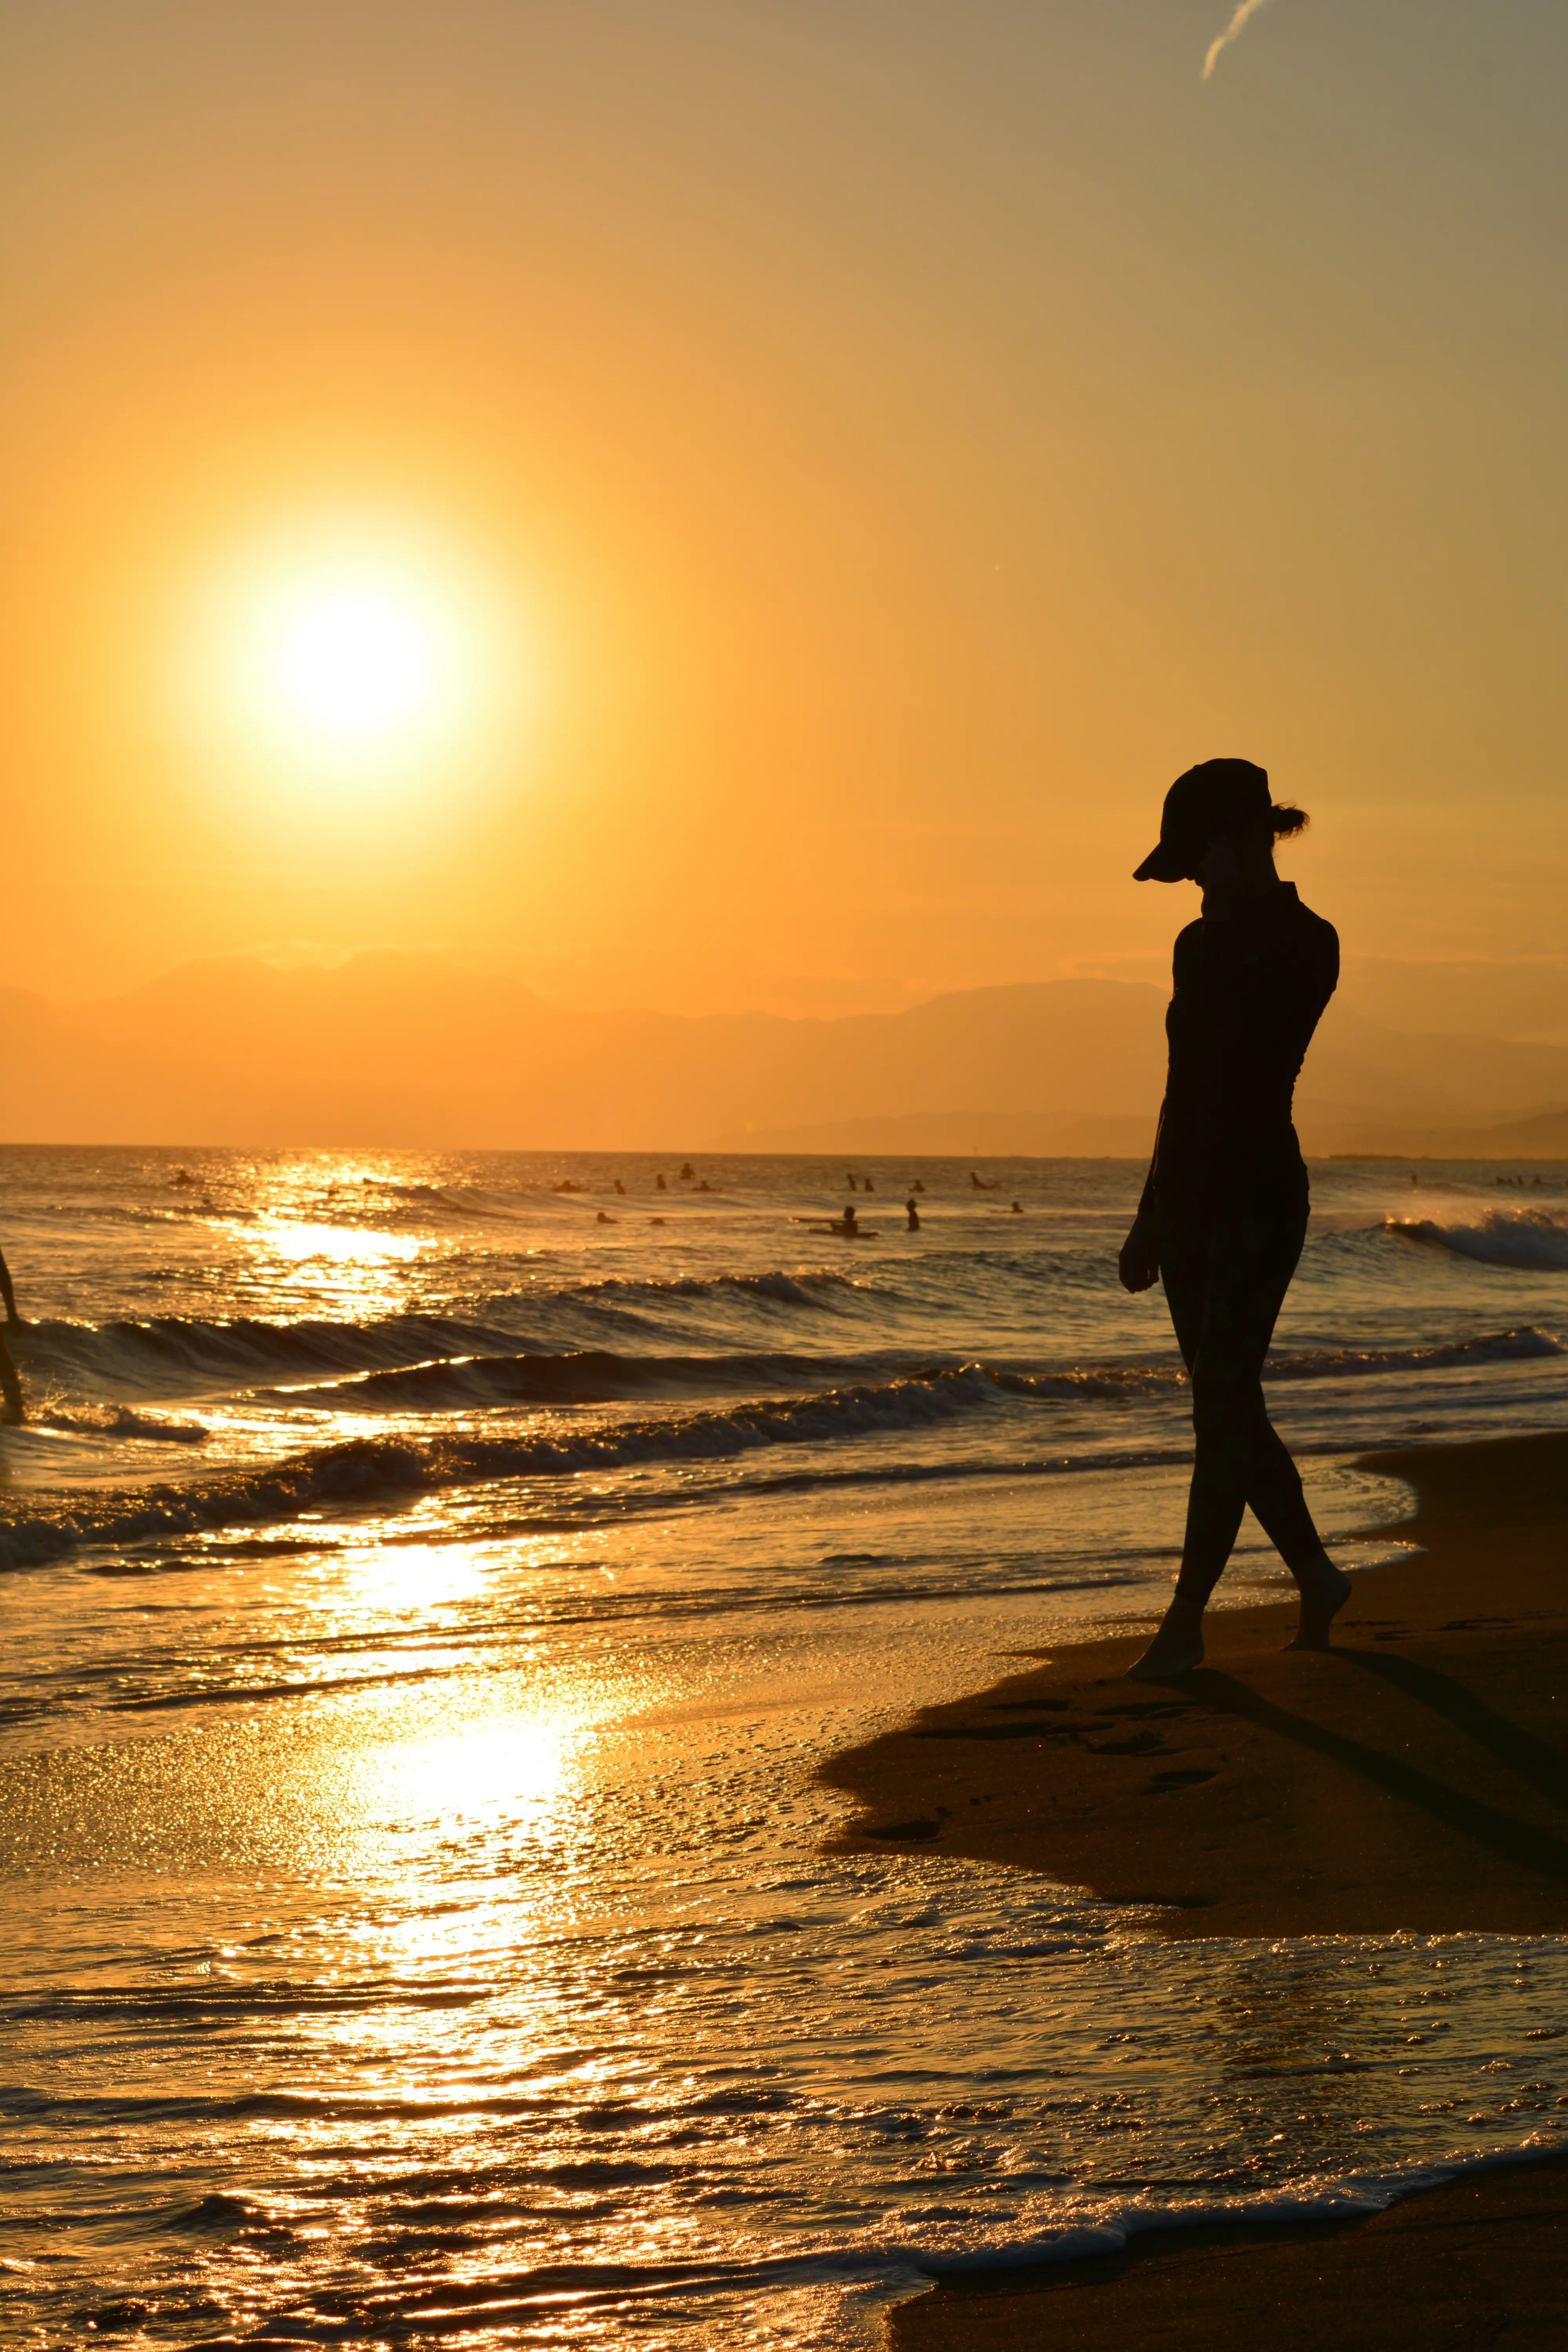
point(1217, 796)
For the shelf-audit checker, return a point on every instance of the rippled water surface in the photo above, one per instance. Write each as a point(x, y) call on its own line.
point(428, 1603)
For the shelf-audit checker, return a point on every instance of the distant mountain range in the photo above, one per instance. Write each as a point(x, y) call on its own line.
point(410, 1049)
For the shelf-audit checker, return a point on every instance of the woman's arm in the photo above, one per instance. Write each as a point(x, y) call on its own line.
point(1138, 1266)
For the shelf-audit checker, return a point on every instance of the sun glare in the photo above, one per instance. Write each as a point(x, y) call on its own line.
point(351, 655)
point(356, 659)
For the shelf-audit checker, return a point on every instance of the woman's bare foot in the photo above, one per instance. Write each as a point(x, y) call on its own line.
point(1324, 1589)
point(1176, 1648)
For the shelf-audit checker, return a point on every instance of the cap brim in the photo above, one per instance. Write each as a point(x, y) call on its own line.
point(1165, 864)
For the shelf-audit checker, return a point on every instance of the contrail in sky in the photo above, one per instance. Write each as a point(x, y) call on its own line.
point(1242, 17)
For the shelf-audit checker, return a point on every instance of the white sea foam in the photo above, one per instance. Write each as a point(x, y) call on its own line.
point(123, 1421)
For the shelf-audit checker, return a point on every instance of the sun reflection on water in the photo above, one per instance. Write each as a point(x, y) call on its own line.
point(511, 1769)
point(341, 1244)
point(413, 1578)
point(342, 1221)
point(361, 1268)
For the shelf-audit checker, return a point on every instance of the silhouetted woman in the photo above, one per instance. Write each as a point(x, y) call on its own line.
point(1224, 1211)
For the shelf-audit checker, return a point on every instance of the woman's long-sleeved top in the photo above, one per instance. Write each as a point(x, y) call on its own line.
point(1249, 994)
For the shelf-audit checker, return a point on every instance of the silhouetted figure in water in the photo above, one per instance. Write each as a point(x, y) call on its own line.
point(867, 1185)
point(1016, 1210)
point(981, 1186)
point(687, 1172)
point(850, 1180)
point(660, 1184)
point(850, 1223)
point(620, 1187)
point(604, 1219)
point(913, 1214)
point(1224, 1211)
point(917, 1186)
point(10, 1385)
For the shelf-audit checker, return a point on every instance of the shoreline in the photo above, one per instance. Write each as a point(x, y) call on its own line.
point(1413, 1777)
point(1476, 2258)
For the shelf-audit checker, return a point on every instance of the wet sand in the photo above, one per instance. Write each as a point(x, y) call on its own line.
point(1413, 1777)
point(1481, 2261)
point(1416, 1777)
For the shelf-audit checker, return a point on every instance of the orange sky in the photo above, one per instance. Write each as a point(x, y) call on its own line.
point(901, 436)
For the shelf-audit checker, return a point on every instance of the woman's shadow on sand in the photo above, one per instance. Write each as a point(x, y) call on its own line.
point(1530, 1760)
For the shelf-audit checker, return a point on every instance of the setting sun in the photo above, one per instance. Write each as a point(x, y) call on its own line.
point(356, 659)
point(350, 654)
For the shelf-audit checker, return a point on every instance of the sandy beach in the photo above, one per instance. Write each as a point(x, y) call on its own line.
point(1413, 1778)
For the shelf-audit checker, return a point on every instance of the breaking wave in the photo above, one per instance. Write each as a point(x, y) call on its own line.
point(599, 1375)
point(378, 1473)
point(168, 1354)
point(442, 1363)
point(1489, 1348)
point(1534, 1240)
point(581, 1376)
point(372, 1474)
point(122, 1421)
point(173, 1351)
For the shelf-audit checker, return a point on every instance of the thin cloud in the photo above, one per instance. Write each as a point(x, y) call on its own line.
point(1238, 25)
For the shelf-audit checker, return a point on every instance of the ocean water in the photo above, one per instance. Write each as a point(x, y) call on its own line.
point(431, 1589)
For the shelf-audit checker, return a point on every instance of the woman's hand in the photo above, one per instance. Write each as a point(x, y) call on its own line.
point(1139, 1263)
